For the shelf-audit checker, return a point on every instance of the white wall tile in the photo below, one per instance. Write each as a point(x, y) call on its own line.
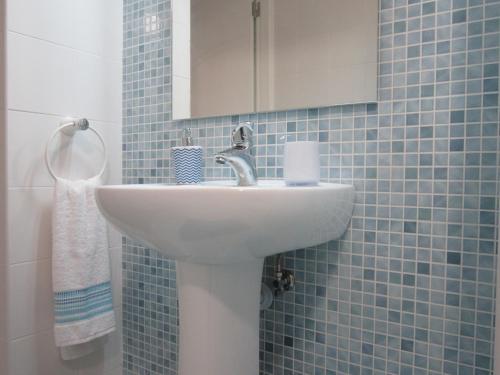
point(29, 225)
point(46, 20)
point(3, 303)
point(3, 356)
point(3, 306)
point(97, 88)
point(116, 275)
point(116, 371)
point(3, 202)
point(63, 81)
point(99, 28)
point(29, 299)
point(37, 355)
point(27, 137)
point(93, 26)
point(112, 134)
point(108, 357)
point(114, 237)
point(39, 76)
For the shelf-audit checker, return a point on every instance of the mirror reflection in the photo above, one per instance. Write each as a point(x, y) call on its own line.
point(242, 56)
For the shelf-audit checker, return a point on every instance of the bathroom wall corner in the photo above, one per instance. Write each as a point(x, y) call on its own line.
point(3, 200)
point(42, 88)
point(496, 351)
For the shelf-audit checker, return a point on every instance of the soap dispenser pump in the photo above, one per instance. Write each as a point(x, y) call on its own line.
point(187, 160)
point(187, 139)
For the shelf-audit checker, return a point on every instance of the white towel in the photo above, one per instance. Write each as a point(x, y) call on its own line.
point(81, 278)
point(77, 351)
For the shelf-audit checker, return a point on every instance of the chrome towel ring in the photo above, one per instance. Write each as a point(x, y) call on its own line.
point(70, 128)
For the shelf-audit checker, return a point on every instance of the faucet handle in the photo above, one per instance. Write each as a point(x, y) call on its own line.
point(242, 135)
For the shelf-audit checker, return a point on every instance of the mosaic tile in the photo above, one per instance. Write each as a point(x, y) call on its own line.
point(410, 287)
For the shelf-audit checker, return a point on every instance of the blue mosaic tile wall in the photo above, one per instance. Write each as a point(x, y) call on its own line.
point(410, 288)
point(149, 294)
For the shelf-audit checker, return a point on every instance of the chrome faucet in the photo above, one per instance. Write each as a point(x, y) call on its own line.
point(239, 156)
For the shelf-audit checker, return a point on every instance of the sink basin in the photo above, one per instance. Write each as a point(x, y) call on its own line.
point(218, 222)
point(219, 234)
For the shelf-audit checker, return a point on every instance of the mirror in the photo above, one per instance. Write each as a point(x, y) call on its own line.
point(242, 56)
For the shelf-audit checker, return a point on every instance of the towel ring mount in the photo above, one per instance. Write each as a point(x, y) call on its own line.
point(69, 128)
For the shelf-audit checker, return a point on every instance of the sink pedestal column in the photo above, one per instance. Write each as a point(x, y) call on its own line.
point(219, 318)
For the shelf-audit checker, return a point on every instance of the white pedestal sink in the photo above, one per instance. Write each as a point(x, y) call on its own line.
point(219, 234)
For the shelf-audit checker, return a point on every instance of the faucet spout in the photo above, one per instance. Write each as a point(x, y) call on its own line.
point(242, 163)
point(239, 157)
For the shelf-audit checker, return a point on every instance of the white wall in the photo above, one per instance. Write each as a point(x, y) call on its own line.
point(64, 59)
point(3, 184)
point(181, 59)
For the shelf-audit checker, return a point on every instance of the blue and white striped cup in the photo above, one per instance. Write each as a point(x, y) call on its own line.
point(187, 164)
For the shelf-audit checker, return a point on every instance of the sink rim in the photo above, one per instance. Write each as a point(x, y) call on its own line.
point(264, 184)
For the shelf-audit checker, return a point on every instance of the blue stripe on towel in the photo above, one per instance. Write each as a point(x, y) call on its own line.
point(80, 307)
point(81, 299)
point(83, 304)
point(88, 315)
point(81, 293)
